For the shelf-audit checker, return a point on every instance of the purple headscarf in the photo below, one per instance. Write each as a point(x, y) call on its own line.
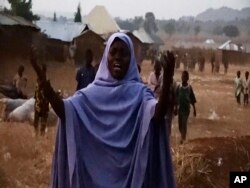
point(108, 139)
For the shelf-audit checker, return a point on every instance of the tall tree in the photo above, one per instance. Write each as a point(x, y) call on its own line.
point(197, 30)
point(54, 17)
point(138, 22)
point(149, 24)
point(22, 8)
point(78, 16)
point(231, 31)
point(169, 27)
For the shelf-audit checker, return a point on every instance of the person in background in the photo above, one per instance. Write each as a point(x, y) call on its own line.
point(238, 87)
point(86, 74)
point(225, 63)
point(212, 60)
point(155, 78)
point(246, 87)
point(142, 78)
point(72, 51)
point(20, 83)
point(185, 97)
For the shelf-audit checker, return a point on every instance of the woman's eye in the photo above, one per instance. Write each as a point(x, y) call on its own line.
point(112, 51)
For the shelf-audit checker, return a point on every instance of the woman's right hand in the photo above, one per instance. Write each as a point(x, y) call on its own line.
point(55, 101)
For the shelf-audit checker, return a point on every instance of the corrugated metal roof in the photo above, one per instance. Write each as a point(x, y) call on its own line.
point(100, 21)
point(64, 31)
point(142, 35)
point(229, 46)
point(15, 20)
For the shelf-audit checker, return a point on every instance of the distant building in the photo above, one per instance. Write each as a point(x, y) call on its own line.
point(88, 39)
point(60, 35)
point(16, 36)
point(234, 53)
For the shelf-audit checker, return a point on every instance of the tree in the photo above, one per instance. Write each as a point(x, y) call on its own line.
point(54, 18)
point(197, 30)
point(22, 8)
point(149, 24)
point(78, 16)
point(169, 28)
point(182, 26)
point(231, 31)
point(138, 22)
point(218, 30)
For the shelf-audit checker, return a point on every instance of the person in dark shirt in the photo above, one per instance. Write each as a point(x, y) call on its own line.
point(86, 74)
point(185, 97)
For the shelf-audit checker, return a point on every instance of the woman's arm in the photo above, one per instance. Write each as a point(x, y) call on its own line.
point(168, 73)
point(54, 99)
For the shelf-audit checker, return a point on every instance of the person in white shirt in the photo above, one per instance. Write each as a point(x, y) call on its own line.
point(20, 82)
point(155, 78)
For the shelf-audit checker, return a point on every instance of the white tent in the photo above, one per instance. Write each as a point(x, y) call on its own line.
point(229, 46)
point(100, 21)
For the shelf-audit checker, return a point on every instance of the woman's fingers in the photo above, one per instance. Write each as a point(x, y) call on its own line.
point(33, 59)
point(169, 64)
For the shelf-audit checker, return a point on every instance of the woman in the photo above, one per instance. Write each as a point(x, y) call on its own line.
point(112, 133)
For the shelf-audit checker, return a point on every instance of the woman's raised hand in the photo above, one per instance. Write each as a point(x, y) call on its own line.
point(33, 60)
point(168, 66)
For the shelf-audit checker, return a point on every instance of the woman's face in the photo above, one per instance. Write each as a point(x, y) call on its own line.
point(118, 59)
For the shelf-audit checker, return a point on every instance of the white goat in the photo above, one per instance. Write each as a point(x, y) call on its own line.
point(8, 105)
point(25, 112)
point(22, 113)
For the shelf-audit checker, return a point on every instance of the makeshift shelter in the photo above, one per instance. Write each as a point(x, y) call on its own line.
point(101, 22)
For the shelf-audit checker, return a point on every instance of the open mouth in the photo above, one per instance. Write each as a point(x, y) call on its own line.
point(117, 67)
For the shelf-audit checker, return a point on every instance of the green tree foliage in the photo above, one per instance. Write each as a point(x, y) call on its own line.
point(138, 22)
point(218, 30)
point(170, 27)
point(54, 17)
point(130, 24)
point(197, 30)
point(22, 8)
point(150, 24)
point(78, 16)
point(182, 26)
point(231, 31)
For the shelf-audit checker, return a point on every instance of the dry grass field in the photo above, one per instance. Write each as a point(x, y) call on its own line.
point(218, 138)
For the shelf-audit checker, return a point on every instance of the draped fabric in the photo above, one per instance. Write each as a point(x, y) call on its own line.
point(109, 138)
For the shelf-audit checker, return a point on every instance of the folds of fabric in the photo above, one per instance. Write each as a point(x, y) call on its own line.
point(92, 152)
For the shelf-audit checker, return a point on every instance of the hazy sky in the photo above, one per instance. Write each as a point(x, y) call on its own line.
point(130, 8)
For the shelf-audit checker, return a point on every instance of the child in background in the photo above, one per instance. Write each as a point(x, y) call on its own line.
point(20, 82)
point(155, 78)
point(246, 86)
point(185, 96)
point(238, 87)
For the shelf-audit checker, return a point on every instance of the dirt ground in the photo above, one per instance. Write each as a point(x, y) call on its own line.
point(218, 138)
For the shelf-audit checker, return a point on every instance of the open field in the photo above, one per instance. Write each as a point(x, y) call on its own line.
point(218, 138)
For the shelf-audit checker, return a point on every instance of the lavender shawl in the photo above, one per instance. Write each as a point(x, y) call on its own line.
point(109, 139)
